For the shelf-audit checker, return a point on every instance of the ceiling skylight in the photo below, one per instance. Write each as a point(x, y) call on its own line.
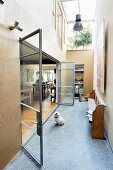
point(87, 9)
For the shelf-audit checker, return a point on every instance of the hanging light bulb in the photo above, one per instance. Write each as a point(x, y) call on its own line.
point(78, 25)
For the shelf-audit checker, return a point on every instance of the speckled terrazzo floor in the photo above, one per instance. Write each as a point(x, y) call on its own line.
point(69, 147)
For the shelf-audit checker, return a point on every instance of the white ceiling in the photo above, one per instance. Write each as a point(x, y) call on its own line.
point(87, 9)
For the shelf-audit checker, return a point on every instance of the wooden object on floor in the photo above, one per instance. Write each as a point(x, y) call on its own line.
point(96, 115)
point(92, 94)
point(98, 122)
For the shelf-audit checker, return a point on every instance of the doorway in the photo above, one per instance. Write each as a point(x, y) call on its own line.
point(38, 94)
point(35, 132)
point(29, 71)
point(44, 85)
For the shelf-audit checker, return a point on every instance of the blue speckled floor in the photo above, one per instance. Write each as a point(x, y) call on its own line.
point(69, 147)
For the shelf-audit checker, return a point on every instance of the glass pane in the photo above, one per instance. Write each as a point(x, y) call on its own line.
point(66, 66)
point(33, 146)
point(48, 87)
point(27, 49)
point(66, 83)
point(66, 77)
point(65, 89)
point(28, 116)
point(26, 132)
point(65, 99)
point(29, 75)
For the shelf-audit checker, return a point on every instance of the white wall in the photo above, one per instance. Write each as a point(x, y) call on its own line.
point(1, 13)
point(31, 15)
point(105, 11)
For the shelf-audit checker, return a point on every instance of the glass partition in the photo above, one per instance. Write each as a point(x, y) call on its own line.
point(65, 74)
point(30, 87)
point(38, 97)
point(31, 97)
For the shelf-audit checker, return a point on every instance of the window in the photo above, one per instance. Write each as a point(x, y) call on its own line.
point(59, 26)
point(54, 14)
point(75, 41)
point(48, 75)
point(64, 31)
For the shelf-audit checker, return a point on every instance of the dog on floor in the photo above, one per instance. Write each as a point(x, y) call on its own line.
point(59, 121)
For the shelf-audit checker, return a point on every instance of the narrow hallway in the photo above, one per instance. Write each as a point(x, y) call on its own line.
point(69, 147)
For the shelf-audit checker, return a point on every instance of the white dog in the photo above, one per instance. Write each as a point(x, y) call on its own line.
point(59, 121)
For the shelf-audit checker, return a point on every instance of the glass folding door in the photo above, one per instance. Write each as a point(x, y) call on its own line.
point(65, 83)
point(31, 97)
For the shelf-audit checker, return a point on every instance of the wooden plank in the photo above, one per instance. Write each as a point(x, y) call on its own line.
point(98, 123)
point(92, 94)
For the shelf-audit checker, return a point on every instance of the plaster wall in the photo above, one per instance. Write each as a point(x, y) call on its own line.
point(10, 128)
point(104, 11)
point(1, 13)
point(86, 58)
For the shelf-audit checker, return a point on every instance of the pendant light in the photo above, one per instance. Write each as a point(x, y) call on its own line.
point(78, 25)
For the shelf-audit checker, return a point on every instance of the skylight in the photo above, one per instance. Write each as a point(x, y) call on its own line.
point(87, 9)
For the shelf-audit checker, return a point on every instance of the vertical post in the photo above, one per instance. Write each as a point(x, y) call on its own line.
point(40, 81)
point(73, 82)
point(57, 83)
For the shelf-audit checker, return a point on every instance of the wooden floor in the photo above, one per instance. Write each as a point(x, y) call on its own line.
point(29, 116)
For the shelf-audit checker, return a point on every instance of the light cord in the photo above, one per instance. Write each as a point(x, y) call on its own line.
point(79, 6)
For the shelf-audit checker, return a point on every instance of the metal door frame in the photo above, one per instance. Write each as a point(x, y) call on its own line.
point(39, 113)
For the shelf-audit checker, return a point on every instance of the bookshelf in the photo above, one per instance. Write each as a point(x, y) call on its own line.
point(79, 79)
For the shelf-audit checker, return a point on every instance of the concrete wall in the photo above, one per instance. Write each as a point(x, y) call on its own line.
point(10, 129)
point(104, 11)
point(31, 15)
point(86, 58)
